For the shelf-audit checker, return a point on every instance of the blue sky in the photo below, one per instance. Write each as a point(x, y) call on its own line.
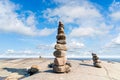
point(29, 27)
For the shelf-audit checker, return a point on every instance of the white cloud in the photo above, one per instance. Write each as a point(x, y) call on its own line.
point(115, 16)
point(74, 44)
point(86, 53)
point(103, 29)
point(81, 31)
point(11, 21)
point(27, 52)
point(87, 18)
point(46, 31)
point(45, 47)
point(114, 43)
point(115, 11)
point(20, 52)
point(72, 12)
point(116, 40)
point(115, 6)
point(10, 51)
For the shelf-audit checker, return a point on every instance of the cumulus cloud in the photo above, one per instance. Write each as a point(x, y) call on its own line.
point(115, 6)
point(81, 31)
point(45, 47)
point(86, 19)
point(21, 52)
point(74, 11)
point(46, 31)
point(115, 11)
point(74, 44)
point(117, 40)
point(11, 21)
point(10, 51)
point(114, 14)
point(114, 43)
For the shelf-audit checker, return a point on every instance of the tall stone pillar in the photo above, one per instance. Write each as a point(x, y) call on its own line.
point(60, 60)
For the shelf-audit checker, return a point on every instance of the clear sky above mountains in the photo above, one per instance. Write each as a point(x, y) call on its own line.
point(28, 27)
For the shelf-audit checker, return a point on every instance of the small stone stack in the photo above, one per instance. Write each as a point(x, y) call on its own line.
point(60, 60)
point(96, 61)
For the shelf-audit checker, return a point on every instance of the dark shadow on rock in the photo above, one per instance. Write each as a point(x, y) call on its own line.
point(19, 71)
point(2, 78)
point(23, 72)
point(87, 65)
point(49, 71)
point(15, 70)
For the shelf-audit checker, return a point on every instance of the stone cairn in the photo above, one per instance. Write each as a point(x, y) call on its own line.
point(60, 65)
point(96, 61)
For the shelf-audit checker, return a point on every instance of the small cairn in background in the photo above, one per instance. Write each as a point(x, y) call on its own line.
point(60, 60)
point(96, 61)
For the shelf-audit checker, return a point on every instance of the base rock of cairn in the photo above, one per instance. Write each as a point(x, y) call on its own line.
point(60, 60)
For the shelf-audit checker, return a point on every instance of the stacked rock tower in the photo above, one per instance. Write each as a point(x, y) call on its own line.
point(96, 61)
point(60, 60)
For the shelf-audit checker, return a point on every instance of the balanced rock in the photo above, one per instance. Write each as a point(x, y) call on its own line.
point(97, 65)
point(97, 61)
point(60, 61)
point(61, 25)
point(34, 69)
point(60, 30)
point(61, 36)
point(59, 53)
point(61, 47)
point(61, 41)
point(60, 69)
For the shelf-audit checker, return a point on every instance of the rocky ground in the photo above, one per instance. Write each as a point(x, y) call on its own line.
point(80, 70)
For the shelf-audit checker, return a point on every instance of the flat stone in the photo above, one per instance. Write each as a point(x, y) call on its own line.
point(60, 61)
point(61, 41)
point(59, 53)
point(61, 36)
point(60, 30)
point(59, 69)
point(96, 61)
point(97, 65)
point(95, 58)
point(61, 24)
point(60, 47)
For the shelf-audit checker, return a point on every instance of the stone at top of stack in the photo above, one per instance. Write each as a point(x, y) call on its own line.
point(96, 61)
point(60, 60)
point(61, 38)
